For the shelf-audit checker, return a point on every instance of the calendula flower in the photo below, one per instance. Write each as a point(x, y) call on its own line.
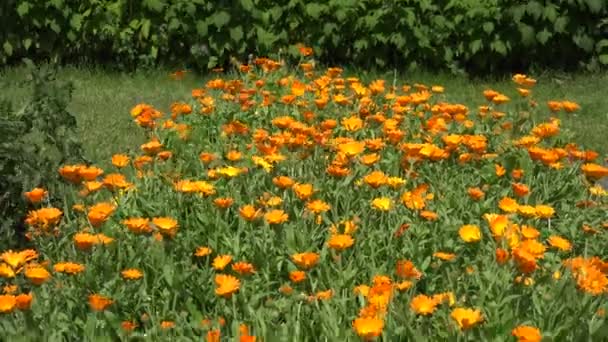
point(276, 216)
point(444, 256)
point(221, 261)
point(249, 212)
point(297, 276)
point(166, 225)
point(382, 203)
point(37, 274)
point(24, 301)
point(527, 333)
point(340, 242)
point(98, 302)
point(243, 268)
point(68, 267)
point(100, 212)
point(318, 206)
point(423, 305)
point(559, 243)
point(368, 328)
point(131, 274)
point(202, 251)
point(137, 225)
point(306, 260)
point(120, 160)
point(226, 285)
point(36, 195)
point(7, 303)
point(470, 233)
point(466, 318)
point(406, 269)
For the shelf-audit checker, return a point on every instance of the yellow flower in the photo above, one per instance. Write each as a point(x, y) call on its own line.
point(226, 285)
point(382, 203)
point(221, 261)
point(276, 216)
point(306, 260)
point(470, 233)
point(131, 274)
point(526, 333)
point(466, 318)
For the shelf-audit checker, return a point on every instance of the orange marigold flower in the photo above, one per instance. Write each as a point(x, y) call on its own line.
point(475, 193)
point(470, 233)
point(276, 216)
point(340, 242)
point(36, 195)
point(406, 269)
point(223, 203)
point(131, 274)
point(423, 305)
point(249, 212)
point(166, 225)
point(502, 256)
point(526, 333)
point(243, 268)
point(221, 261)
point(283, 182)
point(7, 303)
point(306, 260)
point(444, 256)
point(466, 318)
point(226, 285)
point(120, 160)
point(68, 267)
point(594, 171)
point(560, 243)
point(138, 225)
point(297, 276)
point(24, 301)
point(368, 328)
point(98, 302)
point(202, 251)
point(37, 274)
point(318, 206)
point(100, 212)
point(520, 189)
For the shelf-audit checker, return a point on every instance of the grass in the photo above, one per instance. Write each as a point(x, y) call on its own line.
point(102, 101)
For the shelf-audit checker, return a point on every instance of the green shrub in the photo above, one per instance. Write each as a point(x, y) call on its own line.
point(459, 34)
point(34, 141)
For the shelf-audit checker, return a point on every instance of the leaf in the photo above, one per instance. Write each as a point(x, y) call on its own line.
point(145, 28)
point(8, 48)
point(236, 34)
point(155, 5)
point(315, 10)
point(535, 9)
point(220, 19)
point(527, 34)
point(76, 22)
point(247, 5)
point(560, 24)
point(23, 8)
point(27, 42)
point(475, 46)
point(543, 36)
point(499, 47)
point(603, 59)
point(202, 28)
point(488, 27)
point(595, 6)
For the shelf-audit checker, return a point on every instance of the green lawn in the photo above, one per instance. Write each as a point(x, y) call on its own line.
point(102, 101)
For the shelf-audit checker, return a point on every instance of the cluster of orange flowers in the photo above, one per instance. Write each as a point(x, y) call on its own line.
point(413, 123)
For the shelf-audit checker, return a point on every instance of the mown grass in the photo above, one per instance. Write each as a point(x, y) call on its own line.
point(102, 99)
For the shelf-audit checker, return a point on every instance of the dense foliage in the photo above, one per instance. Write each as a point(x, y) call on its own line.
point(303, 205)
point(458, 34)
point(33, 142)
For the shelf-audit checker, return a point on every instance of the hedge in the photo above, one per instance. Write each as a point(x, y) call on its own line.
point(479, 35)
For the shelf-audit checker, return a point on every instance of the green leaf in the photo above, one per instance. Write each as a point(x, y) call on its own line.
point(155, 5)
point(601, 45)
point(8, 48)
point(76, 22)
point(145, 28)
point(544, 36)
point(220, 19)
point(236, 34)
point(535, 9)
point(315, 10)
point(202, 28)
point(595, 6)
point(27, 42)
point(584, 41)
point(527, 34)
point(603, 59)
point(475, 46)
point(488, 27)
point(247, 5)
point(560, 24)
point(499, 47)
point(23, 8)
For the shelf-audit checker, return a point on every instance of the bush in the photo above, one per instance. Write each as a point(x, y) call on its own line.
point(34, 141)
point(457, 34)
